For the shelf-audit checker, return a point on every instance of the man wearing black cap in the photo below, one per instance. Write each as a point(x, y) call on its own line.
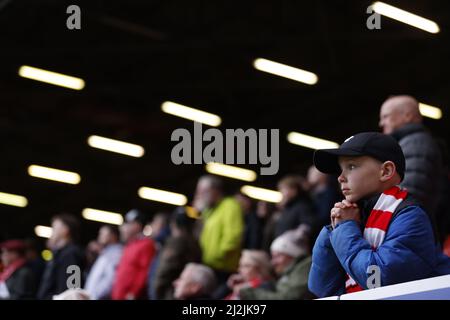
point(378, 231)
point(16, 280)
point(131, 275)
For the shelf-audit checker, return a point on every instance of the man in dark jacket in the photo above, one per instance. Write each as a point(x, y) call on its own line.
point(253, 224)
point(16, 280)
point(296, 206)
point(400, 117)
point(65, 254)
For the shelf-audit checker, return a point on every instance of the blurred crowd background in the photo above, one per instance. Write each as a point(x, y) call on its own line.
point(72, 193)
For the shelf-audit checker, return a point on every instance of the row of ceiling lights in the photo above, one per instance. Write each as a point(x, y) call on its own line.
point(201, 116)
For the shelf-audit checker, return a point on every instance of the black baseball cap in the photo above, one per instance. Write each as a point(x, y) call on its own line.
point(374, 144)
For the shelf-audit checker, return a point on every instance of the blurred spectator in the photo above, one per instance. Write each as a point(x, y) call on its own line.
point(253, 224)
point(269, 215)
point(16, 280)
point(65, 253)
point(296, 206)
point(132, 272)
point(443, 209)
point(91, 254)
point(100, 279)
point(291, 261)
point(400, 117)
point(323, 190)
point(196, 282)
point(221, 236)
point(180, 248)
point(255, 271)
point(159, 231)
point(34, 260)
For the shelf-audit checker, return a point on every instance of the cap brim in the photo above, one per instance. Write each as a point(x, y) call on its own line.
point(326, 160)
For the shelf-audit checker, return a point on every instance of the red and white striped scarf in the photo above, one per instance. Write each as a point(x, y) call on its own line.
point(377, 224)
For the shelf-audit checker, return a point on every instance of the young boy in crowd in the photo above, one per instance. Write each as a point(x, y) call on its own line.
point(378, 231)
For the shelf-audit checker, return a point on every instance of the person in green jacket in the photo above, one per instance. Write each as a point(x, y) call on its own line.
point(291, 262)
point(223, 226)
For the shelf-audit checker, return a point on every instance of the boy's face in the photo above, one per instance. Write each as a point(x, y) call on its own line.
point(360, 177)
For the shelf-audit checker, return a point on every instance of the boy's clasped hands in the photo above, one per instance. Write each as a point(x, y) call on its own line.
point(344, 210)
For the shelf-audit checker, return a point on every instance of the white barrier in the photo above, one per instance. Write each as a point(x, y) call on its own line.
point(437, 288)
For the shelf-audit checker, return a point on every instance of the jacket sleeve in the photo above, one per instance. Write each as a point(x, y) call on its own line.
point(423, 165)
point(408, 242)
point(233, 227)
point(326, 277)
point(139, 279)
point(104, 285)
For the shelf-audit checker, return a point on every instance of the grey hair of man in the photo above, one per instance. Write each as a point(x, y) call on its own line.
point(202, 275)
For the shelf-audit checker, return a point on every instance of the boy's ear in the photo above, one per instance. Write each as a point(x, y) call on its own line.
point(388, 170)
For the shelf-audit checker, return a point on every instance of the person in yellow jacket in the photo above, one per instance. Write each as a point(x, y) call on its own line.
point(223, 226)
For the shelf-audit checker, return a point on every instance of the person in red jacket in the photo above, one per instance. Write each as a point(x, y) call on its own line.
point(131, 275)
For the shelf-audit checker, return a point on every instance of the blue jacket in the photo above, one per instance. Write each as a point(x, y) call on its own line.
point(409, 252)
